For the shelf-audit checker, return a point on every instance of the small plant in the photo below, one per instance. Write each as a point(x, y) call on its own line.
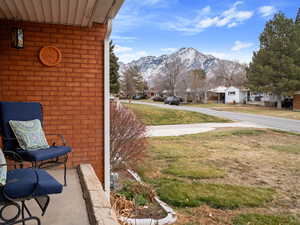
point(140, 194)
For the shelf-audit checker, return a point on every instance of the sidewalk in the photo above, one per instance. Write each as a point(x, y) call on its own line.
point(183, 129)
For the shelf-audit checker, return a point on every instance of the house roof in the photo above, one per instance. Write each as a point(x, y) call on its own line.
point(68, 12)
point(221, 89)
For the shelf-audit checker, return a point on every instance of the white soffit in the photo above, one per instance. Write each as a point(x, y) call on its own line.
point(67, 12)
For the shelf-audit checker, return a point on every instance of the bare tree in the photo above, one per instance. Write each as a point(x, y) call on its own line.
point(172, 71)
point(127, 138)
point(229, 74)
point(198, 85)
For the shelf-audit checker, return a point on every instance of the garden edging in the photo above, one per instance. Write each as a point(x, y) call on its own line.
point(169, 219)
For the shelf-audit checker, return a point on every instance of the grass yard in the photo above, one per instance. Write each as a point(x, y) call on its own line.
point(151, 115)
point(267, 111)
point(229, 176)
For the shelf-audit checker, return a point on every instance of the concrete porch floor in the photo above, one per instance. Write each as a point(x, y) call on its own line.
point(67, 208)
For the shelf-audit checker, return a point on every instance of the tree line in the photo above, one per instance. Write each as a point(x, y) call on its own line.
point(275, 68)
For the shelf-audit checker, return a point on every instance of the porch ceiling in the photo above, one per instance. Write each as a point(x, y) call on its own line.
point(67, 12)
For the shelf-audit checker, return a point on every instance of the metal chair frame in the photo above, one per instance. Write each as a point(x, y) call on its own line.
point(21, 210)
point(62, 160)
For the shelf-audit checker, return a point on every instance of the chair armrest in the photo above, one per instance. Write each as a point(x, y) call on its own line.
point(61, 137)
point(9, 139)
point(14, 155)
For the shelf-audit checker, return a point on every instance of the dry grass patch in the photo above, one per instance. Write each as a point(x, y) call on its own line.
point(261, 110)
point(242, 171)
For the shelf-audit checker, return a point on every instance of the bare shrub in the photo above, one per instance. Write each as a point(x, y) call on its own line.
point(127, 138)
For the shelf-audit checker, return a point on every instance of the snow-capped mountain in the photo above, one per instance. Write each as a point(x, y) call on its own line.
point(192, 59)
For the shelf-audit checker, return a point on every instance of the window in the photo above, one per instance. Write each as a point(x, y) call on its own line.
point(231, 93)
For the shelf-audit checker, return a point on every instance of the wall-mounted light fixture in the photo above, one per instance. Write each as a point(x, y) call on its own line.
point(17, 38)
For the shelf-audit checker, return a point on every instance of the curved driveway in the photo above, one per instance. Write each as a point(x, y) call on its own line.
point(266, 121)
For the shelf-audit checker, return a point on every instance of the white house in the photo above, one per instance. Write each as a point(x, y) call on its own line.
point(231, 95)
point(236, 95)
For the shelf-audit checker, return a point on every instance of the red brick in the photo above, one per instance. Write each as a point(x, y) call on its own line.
point(71, 93)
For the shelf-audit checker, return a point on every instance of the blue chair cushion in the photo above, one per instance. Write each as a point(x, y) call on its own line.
point(21, 183)
point(21, 111)
point(44, 154)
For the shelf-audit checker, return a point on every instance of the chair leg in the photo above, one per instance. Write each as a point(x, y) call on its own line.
point(65, 173)
point(22, 212)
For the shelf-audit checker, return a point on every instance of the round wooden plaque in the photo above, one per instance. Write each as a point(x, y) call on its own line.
point(50, 56)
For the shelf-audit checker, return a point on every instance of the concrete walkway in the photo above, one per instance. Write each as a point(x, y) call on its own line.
point(260, 120)
point(183, 129)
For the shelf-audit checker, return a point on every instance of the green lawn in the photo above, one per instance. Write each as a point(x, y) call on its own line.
point(258, 219)
point(225, 196)
point(151, 115)
point(226, 170)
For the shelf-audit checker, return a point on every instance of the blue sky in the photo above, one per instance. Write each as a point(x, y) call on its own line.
point(224, 28)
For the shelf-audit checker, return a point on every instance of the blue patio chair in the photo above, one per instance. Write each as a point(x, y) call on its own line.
point(42, 158)
point(21, 185)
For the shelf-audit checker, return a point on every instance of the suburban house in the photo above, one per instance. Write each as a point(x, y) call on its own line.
point(236, 95)
point(57, 53)
point(229, 95)
point(217, 94)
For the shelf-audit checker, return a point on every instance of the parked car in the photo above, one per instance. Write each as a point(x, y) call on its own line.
point(158, 99)
point(172, 100)
point(138, 97)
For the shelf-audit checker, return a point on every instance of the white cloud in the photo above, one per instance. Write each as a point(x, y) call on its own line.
point(266, 11)
point(123, 38)
point(208, 22)
point(205, 10)
point(132, 55)
point(234, 24)
point(233, 56)
point(121, 49)
point(229, 18)
point(151, 2)
point(168, 50)
point(239, 45)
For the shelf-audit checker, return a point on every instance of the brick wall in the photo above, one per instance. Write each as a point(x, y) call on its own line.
point(72, 93)
point(297, 102)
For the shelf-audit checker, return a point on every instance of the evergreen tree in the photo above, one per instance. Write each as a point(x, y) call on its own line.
point(297, 21)
point(275, 68)
point(114, 71)
point(133, 81)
